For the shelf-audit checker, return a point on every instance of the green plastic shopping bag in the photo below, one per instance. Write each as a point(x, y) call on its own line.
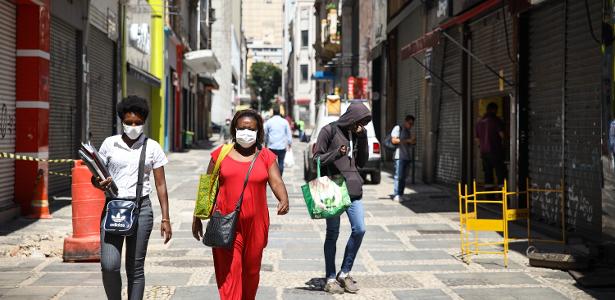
point(327, 196)
point(208, 187)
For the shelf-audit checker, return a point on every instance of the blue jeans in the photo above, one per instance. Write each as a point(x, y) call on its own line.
point(280, 154)
point(357, 222)
point(401, 173)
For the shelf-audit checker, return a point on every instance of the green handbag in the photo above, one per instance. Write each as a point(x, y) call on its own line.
point(327, 196)
point(208, 187)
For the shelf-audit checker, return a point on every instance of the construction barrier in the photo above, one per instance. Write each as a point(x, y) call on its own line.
point(471, 224)
point(87, 204)
point(39, 206)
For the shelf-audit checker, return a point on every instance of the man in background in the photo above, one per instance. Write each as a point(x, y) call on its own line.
point(402, 137)
point(278, 136)
point(489, 135)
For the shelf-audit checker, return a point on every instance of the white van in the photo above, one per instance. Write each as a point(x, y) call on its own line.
point(373, 165)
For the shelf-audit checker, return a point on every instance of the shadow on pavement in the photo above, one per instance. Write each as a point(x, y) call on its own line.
point(23, 222)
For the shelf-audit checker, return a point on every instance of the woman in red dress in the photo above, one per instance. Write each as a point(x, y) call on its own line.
point(238, 269)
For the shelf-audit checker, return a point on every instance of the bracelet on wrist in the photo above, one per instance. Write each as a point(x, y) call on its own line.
point(165, 220)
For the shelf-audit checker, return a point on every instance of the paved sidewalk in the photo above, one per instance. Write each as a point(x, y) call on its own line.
point(409, 252)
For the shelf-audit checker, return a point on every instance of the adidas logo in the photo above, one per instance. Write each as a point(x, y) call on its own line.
point(118, 218)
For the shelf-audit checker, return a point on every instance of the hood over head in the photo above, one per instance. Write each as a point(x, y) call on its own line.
point(355, 113)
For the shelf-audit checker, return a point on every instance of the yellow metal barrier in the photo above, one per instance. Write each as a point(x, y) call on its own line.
point(471, 224)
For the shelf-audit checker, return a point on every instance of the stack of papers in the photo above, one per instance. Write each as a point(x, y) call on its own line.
point(90, 157)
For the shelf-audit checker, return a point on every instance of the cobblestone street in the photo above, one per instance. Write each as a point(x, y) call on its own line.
point(409, 252)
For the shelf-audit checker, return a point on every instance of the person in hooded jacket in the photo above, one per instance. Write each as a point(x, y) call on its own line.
point(342, 148)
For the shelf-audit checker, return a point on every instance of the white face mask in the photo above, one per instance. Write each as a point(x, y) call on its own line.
point(246, 138)
point(133, 132)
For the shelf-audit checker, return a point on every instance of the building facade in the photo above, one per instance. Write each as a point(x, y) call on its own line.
point(263, 26)
point(541, 63)
point(304, 62)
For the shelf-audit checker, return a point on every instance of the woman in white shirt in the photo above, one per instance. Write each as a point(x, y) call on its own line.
point(121, 154)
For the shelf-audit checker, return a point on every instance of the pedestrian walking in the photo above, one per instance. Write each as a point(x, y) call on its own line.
point(341, 148)
point(225, 132)
point(489, 136)
point(121, 154)
point(300, 128)
point(237, 269)
point(278, 137)
point(405, 141)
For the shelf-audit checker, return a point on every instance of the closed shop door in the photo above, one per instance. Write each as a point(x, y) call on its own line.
point(448, 160)
point(410, 78)
point(544, 110)
point(101, 85)
point(564, 113)
point(583, 115)
point(7, 101)
point(63, 99)
point(491, 42)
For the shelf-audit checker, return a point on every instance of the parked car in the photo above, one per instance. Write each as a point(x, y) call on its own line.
point(373, 166)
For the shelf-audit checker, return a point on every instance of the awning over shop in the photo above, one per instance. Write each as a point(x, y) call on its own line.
point(209, 81)
point(142, 75)
point(202, 61)
point(432, 38)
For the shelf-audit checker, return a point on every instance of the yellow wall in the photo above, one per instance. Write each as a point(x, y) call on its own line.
point(157, 69)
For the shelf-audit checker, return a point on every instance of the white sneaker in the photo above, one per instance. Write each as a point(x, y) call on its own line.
point(397, 198)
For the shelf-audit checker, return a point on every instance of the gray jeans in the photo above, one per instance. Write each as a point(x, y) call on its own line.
point(136, 248)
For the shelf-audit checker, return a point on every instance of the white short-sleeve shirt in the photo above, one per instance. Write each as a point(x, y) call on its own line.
point(123, 163)
point(395, 133)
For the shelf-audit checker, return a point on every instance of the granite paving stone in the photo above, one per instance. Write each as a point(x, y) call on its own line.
point(496, 264)
point(301, 294)
point(422, 268)
point(10, 279)
point(461, 279)
point(30, 293)
point(183, 243)
point(436, 244)
point(420, 294)
point(409, 255)
point(70, 279)
point(195, 292)
point(510, 293)
point(73, 267)
point(89, 293)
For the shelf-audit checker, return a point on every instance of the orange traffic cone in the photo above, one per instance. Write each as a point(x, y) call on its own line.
point(39, 206)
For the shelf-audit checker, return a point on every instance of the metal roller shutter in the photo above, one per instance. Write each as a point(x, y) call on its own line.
point(489, 44)
point(63, 117)
point(583, 115)
point(101, 85)
point(448, 162)
point(545, 75)
point(554, 28)
point(410, 78)
point(7, 102)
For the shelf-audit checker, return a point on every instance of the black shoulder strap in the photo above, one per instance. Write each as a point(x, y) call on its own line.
point(141, 171)
point(245, 182)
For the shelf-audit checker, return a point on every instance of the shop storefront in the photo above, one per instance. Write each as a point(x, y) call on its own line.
point(7, 102)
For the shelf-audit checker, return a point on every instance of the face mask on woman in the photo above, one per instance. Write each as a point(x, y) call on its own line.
point(133, 132)
point(246, 138)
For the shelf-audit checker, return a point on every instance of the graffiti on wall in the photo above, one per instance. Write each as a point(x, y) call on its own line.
point(547, 205)
point(578, 207)
point(7, 122)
